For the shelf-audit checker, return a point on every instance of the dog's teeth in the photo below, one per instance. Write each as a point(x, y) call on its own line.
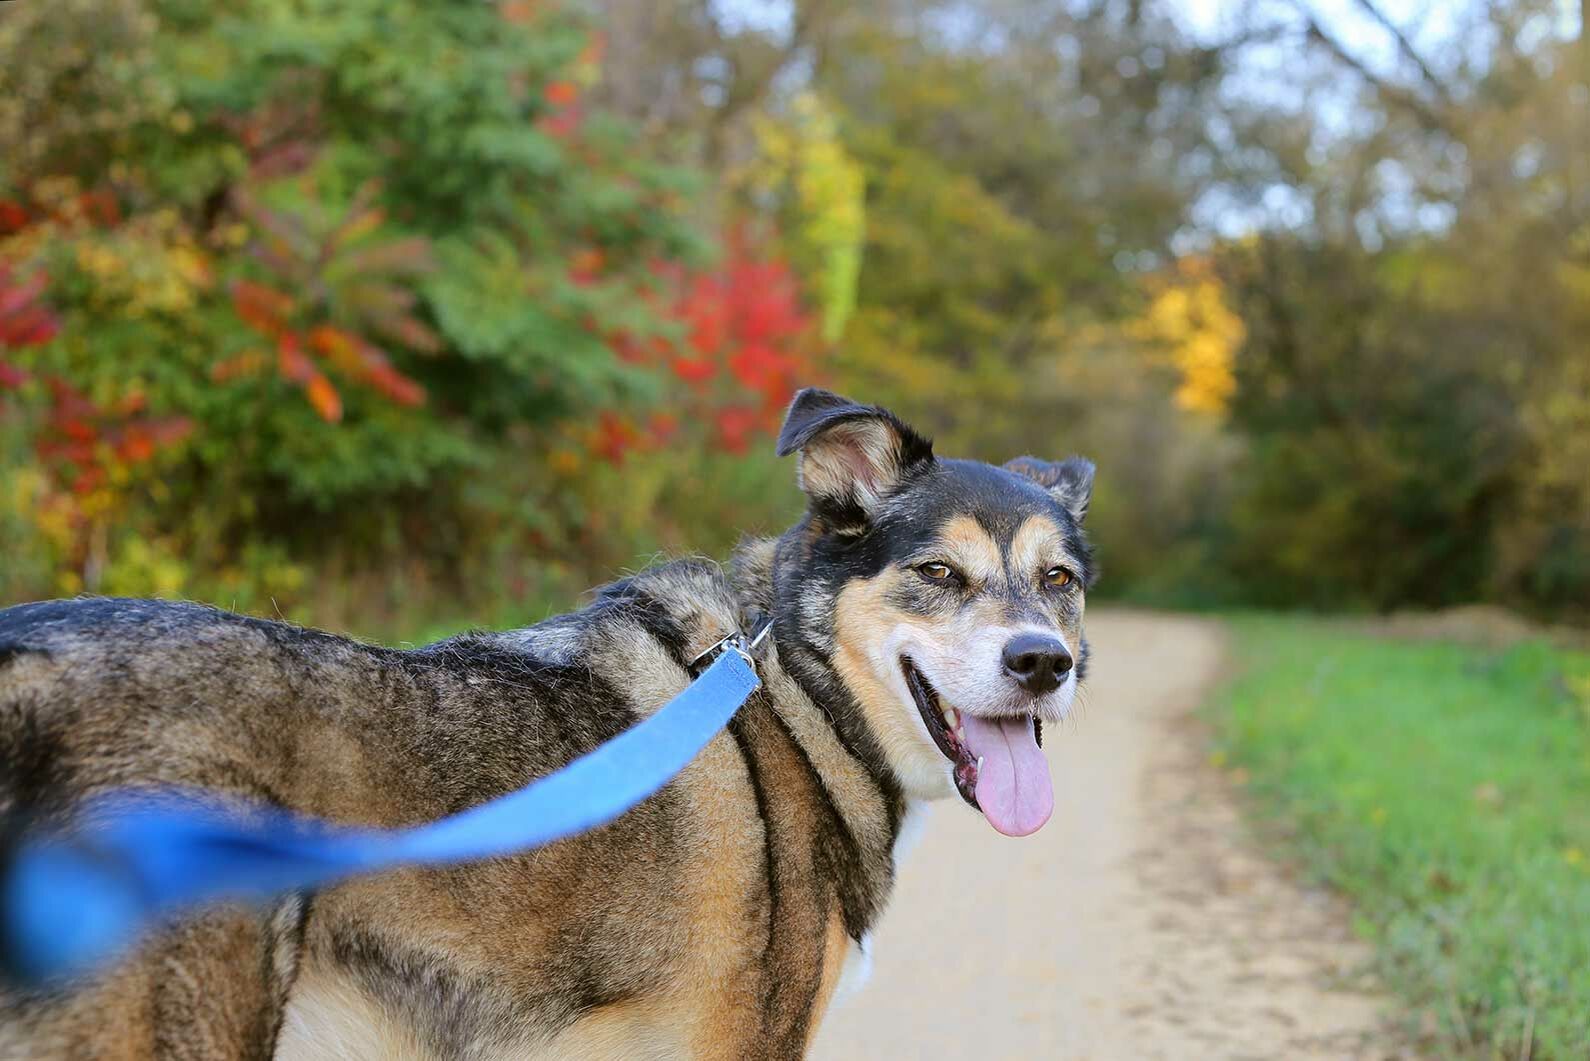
point(952, 718)
point(980, 764)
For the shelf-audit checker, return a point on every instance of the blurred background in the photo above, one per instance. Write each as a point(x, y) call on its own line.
point(382, 314)
point(402, 317)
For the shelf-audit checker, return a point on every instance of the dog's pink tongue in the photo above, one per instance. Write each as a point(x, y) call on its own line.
point(1013, 786)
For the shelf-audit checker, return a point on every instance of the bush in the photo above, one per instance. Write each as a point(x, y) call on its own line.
point(338, 287)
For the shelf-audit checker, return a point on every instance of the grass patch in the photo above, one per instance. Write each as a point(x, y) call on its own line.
point(1446, 790)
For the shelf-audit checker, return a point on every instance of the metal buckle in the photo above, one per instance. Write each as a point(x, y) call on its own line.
point(737, 642)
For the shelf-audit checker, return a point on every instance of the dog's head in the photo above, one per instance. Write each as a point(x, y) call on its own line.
point(944, 596)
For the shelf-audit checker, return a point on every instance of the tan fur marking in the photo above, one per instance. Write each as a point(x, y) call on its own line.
point(645, 1031)
point(835, 948)
point(968, 547)
point(863, 618)
point(329, 1017)
point(855, 794)
point(716, 1003)
point(1037, 546)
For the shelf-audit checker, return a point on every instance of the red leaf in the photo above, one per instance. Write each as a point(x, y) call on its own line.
point(565, 123)
point(757, 365)
point(736, 425)
point(135, 446)
point(396, 386)
point(169, 430)
point(615, 436)
point(78, 430)
point(15, 297)
point(662, 427)
point(263, 308)
point(13, 218)
point(88, 479)
point(291, 361)
point(694, 370)
point(100, 206)
point(67, 402)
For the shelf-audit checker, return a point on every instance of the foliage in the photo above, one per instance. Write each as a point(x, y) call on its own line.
point(1187, 315)
point(1458, 828)
point(1379, 457)
point(398, 270)
point(828, 186)
point(282, 281)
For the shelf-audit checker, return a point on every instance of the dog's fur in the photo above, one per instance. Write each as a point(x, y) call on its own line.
point(712, 921)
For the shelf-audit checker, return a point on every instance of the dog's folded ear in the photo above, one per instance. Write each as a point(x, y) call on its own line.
point(1070, 481)
point(851, 455)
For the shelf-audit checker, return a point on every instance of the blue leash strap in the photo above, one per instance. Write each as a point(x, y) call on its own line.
point(71, 902)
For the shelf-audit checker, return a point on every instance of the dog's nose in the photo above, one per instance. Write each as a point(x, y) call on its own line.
point(1038, 662)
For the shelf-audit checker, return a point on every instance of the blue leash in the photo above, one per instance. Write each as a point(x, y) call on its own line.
point(67, 904)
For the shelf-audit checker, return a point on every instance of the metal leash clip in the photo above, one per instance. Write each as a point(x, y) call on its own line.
point(745, 645)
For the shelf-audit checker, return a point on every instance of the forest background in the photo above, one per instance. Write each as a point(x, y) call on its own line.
point(399, 317)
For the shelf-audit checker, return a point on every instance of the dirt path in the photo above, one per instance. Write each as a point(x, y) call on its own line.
point(1141, 922)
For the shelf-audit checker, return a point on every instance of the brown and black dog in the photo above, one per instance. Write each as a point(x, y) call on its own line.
point(927, 617)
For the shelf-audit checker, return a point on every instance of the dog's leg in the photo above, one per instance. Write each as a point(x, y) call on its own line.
point(218, 986)
point(214, 988)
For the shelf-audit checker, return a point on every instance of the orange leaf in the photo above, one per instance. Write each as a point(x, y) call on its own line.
point(336, 346)
point(519, 10)
point(324, 397)
point(136, 447)
point(248, 363)
point(359, 226)
point(262, 308)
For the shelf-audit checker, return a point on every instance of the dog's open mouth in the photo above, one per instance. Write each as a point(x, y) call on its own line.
point(998, 765)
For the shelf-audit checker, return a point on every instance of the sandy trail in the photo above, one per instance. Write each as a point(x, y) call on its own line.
point(1141, 922)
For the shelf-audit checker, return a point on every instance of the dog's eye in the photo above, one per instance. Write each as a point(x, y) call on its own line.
point(1057, 577)
point(934, 571)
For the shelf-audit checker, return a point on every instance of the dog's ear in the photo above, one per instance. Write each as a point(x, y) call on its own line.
point(852, 456)
point(1070, 481)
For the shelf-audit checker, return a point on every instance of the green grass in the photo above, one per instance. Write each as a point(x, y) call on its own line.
point(1446, 790)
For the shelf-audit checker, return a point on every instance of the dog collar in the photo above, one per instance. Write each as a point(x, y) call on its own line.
point(747, 646)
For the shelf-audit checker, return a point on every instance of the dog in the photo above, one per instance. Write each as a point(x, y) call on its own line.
point(927, 620)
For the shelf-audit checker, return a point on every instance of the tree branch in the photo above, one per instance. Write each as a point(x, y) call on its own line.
point(750, 88)
point(1398, 94)
point(1405, 45)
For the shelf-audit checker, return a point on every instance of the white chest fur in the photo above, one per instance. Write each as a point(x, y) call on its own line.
point(856, 971)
